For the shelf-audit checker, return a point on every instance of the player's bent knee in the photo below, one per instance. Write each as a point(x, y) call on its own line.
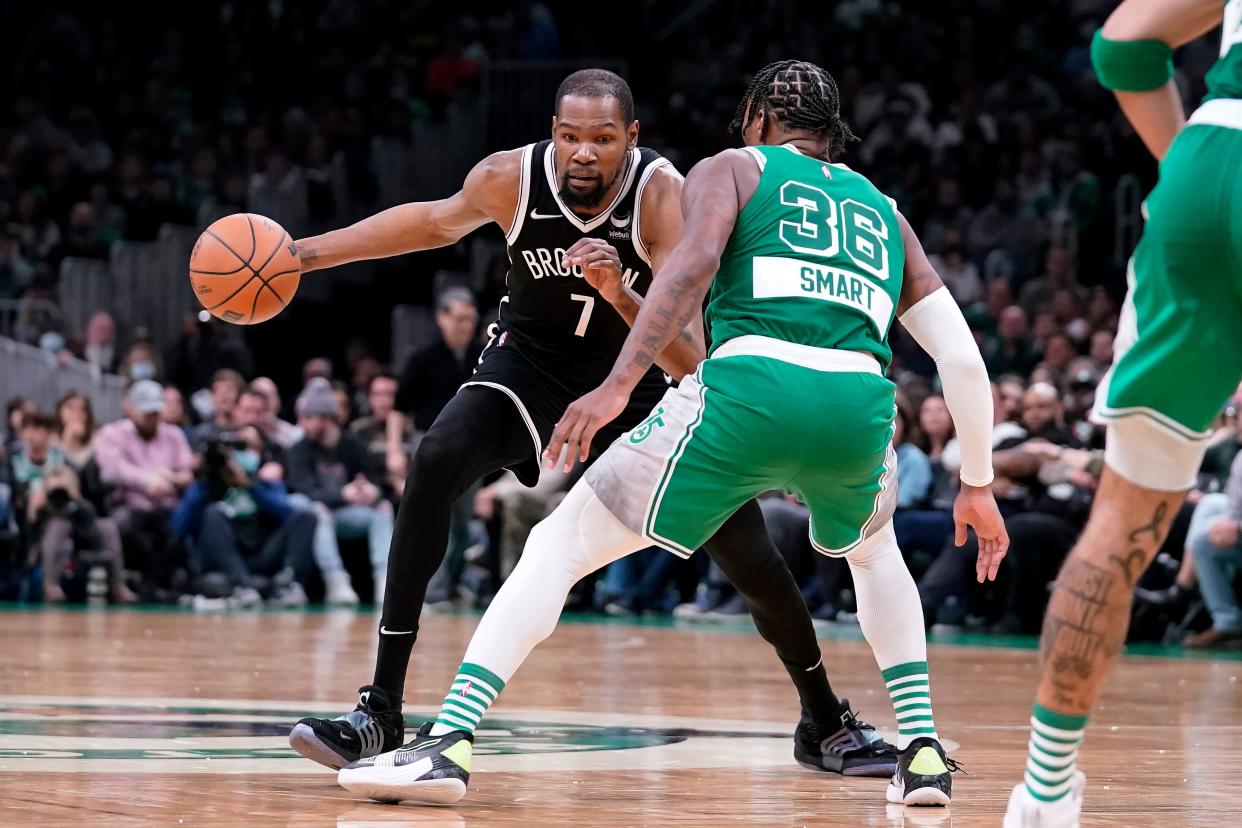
point(1150, 455)
point(876, 545)
point(437, 463)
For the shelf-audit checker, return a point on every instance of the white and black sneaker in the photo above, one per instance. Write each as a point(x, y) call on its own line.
point(852, 749)
point(373, 727)
point(429, 770)
point(923, 775)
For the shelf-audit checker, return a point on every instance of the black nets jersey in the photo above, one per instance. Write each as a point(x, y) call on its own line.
point(551, 313)
point(555, 337)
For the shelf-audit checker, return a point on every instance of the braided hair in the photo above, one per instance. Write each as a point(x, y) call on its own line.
point(800, 95)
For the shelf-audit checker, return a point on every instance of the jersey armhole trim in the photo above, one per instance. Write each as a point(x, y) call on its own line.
point(759, 157)
point(636, 235)
point(519, 215)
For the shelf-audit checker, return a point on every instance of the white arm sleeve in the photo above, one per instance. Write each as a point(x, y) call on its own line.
point(937, 324)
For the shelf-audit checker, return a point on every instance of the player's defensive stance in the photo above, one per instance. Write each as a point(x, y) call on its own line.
point(1178, 357)
point(592, 190)
point(811, 265)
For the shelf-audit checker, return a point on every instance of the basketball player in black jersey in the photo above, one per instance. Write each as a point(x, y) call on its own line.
point(588, 216)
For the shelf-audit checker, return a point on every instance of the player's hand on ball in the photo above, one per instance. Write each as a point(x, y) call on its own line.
point(601, 266)
point(976, 508)
point(580, 422)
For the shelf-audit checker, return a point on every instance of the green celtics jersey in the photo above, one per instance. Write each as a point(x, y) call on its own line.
point(1224, 79)
point(815, 258)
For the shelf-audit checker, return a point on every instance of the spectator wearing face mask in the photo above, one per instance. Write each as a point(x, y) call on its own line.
point(54, 344)
point(141, 362)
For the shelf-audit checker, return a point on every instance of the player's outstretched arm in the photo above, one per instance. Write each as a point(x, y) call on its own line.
point(929, 313)
point(660, 231)
point(1132, 55)
point(710, 206)
point(489, 193)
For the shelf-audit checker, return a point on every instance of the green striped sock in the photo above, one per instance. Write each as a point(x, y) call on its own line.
point(910, 691)
point(1052, 755)
point(473, 691)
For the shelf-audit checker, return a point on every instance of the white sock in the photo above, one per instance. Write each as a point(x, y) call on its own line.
point(891, 616)
point(579, 537)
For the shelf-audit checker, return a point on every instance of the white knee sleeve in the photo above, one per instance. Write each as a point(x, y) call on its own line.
point(889, 610)
point(579, 537)
point(1150, 455)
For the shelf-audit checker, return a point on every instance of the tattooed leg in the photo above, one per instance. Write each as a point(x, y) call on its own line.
point(1087, 618)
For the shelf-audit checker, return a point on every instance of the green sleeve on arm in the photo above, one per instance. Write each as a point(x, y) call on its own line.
point(1131, 65)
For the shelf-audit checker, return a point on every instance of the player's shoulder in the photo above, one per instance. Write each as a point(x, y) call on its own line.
point(734, 158)
point(661, 180)
point(493, 183)
point(500, 164)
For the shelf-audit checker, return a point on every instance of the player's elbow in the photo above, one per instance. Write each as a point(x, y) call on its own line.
point(963, 368)
point(701, 261)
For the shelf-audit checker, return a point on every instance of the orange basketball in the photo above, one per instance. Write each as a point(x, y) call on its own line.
point(245, 269)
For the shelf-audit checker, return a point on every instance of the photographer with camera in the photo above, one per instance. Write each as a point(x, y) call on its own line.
point(247, 539)
point(70, 538)
point(147, 463)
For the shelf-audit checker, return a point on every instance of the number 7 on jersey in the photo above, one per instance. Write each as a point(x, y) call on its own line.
point(588, 305)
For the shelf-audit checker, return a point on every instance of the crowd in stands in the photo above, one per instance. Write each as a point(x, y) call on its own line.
point(219, 489)
point(222, 502)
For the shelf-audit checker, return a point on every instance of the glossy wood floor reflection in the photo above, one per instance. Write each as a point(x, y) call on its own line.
point(130, 717)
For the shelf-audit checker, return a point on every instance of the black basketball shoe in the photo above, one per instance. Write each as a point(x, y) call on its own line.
point(373, 727)
point(923, 775)
point(852, 749)
point(432, 770)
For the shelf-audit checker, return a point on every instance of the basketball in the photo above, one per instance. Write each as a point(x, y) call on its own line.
point(244, 269)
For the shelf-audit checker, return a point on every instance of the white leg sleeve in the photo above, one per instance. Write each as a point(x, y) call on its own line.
point(579, 537)
point(889, 610)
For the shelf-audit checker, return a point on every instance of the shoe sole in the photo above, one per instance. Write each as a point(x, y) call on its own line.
point(394, 785)
point(307, 743)
point(923, 797)
point(875, 771)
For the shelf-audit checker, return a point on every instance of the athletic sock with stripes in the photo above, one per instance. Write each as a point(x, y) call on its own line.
point(1052, 755)
point(909, 688)
point(473, 692)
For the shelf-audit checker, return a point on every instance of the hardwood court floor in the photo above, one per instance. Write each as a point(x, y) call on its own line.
point(131, 717)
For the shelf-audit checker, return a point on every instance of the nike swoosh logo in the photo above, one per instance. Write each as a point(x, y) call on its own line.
point(385, 631)
point(535, 214)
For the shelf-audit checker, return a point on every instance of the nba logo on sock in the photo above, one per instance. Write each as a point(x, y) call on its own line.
point(465, 689)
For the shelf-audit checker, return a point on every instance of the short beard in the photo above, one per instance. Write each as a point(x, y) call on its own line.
point(576, 198)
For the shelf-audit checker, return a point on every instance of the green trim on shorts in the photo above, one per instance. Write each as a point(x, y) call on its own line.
point(653, 508)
